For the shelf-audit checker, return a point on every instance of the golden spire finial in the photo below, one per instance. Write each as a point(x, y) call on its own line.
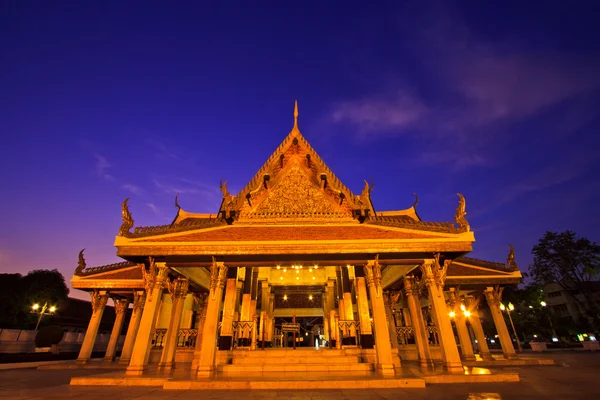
point(296, 115)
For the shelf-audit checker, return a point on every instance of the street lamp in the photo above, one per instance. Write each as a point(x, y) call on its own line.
point(554, 335)
point(45, 310)
point(508, 311)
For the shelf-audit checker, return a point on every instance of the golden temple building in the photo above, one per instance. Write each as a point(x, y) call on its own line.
point(296, 260)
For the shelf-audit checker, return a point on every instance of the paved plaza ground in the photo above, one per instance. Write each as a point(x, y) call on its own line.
point(576, 376)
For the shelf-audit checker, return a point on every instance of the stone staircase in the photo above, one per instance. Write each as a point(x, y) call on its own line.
point(299, 361)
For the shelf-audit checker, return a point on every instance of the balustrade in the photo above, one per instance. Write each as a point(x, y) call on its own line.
point(349, 329)
point(186, 338)
point(404, 333)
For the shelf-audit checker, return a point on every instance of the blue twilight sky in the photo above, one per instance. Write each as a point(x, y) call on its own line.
point(105, 100)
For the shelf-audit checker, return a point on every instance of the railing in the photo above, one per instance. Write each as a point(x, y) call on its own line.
point(432, 331)
point(348, 329)
point(186, 338)
point(245, 330)
point(404, 333)
point(158, 337)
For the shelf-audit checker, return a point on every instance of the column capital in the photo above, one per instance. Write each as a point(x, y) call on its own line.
point(139, 297)
point(434, 273)
point(218, 275)
point(200, 301)
point(155, 276)
point(412, 286)
point(121, 305)
point(390, 297)
point(99, 299)
point(373, 274)
point(493, 295)
point(178, 288)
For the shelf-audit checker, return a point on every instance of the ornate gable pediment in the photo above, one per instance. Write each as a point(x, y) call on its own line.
point(295, 193)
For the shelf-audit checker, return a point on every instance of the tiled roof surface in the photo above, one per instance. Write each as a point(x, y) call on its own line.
point(125, 273)
point(279, 233)
point(460, 270)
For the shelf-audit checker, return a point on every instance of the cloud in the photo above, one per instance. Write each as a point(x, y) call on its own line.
point(373, 115)
point(163, 151)
point(133, 189)
point(102, 166)
point(475, 91)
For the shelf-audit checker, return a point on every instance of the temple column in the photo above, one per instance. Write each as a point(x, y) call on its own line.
point(366, 333)
point(120, 308)
point(475, 321)
point(385, 363)
point(139, 297)
point(226, 337)
point(348, 309)
point(245, 314)
point(494, 297)
point(206, 365)
point(390, 299)
point(418, 323)
point(99, 299)
point(460, 319)
point(264, 310)
point(178, 289)
point(271, 318)
point(434, 275)
point(154, 280)
point(200, 301)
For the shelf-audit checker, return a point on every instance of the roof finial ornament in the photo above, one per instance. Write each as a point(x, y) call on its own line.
point(177, 202)
point(416, 203)
point(80, 264)
point(127, 219)
point(295, 115)
point(510, 261)
point(460, 219)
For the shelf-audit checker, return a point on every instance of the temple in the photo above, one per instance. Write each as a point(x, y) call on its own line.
point(297, 273)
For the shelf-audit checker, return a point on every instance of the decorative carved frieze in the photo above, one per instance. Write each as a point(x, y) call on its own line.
point(200, 300)
point(390, 298)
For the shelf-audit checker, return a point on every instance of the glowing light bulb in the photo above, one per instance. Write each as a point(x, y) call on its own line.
point(52, 309)
point(297, 271)
point(467, 314)
point(451, 314)
point(281, 278)
point(279, 267)
point(310, 297)
point(285, 270)
point(316, 266)
point(462, 307)
point(35, 306)
point(313, 278)
point(297, 278)
point(285, 297)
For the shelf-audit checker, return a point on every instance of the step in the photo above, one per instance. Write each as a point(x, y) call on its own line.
point(243, 369)
point(295, 360)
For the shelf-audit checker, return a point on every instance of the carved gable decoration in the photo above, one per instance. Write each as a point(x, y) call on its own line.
point(295, 195)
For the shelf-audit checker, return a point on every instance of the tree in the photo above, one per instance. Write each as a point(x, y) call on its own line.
point(18, 293)
point(574, 264)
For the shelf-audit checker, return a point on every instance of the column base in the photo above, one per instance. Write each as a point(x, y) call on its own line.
point(386, 369)
point(167, 366)
point(427, 363)
point(225, 342)
point(82, 361)
point(135, 370)
point(124, 361)
point(453, 367)
point(486, 356)
point(366, 341)
point(109, 359)
point(468, 358)
point(205, 372)
point(511, 356)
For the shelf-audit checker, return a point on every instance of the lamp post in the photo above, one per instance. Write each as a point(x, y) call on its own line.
point(508, 311)
point(42, 312)
point(554, 335)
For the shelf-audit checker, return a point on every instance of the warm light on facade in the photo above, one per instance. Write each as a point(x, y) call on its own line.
point(310, 297)
point(285, 297)
point(451, 314)
point(279, 267)
point(467, 313)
